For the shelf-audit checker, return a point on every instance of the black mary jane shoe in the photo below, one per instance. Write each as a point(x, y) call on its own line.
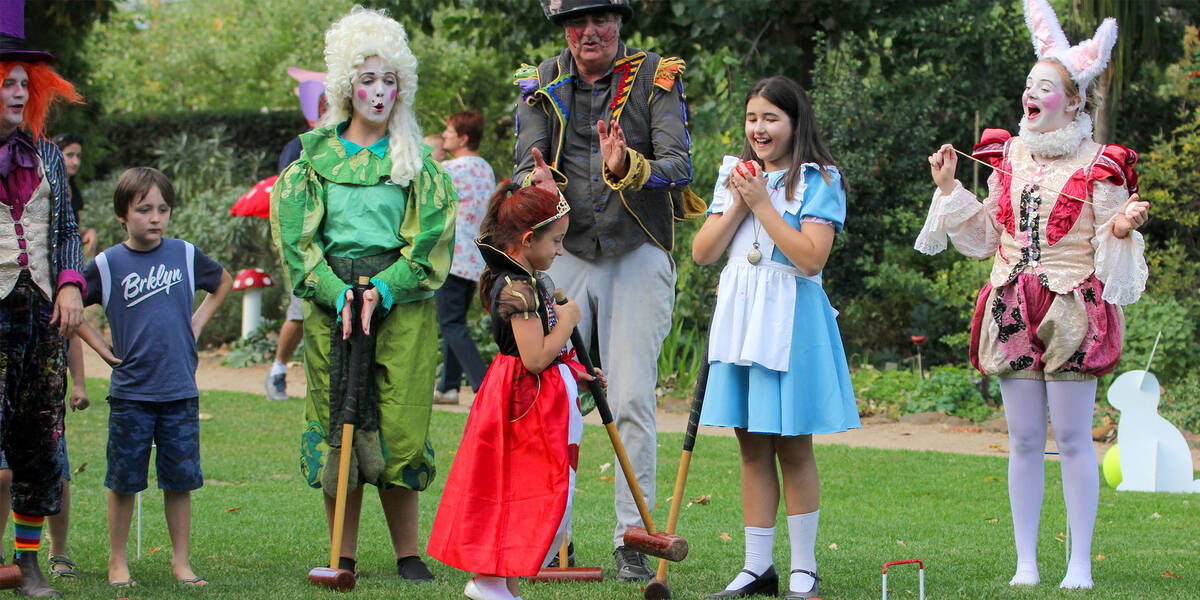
point(766, 584)
point(811, 593)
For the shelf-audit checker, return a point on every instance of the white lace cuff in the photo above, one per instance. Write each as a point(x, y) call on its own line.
point(1120, 265)
point(947, 214)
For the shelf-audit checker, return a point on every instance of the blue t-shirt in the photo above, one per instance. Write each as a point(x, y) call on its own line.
point(147, 297)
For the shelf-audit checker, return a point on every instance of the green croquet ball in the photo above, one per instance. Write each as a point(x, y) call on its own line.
point(1111, 467)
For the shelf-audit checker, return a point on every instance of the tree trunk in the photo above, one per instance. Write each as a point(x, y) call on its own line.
point(1103, 117)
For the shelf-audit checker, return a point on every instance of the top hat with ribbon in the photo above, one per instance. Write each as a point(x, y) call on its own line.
point(12, 35)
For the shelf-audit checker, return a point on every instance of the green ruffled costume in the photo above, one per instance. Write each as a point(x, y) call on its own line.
point(406, 337)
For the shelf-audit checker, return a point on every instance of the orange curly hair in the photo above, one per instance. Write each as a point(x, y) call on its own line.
point(45, 88)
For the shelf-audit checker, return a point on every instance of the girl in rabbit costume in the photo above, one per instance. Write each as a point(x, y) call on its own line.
point(1060, 224)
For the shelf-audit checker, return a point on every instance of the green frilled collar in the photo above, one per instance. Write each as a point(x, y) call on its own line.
point(328, 158)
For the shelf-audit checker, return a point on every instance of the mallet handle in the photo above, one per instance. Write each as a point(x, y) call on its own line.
point(349, 419)
point(685, 460)
point(339, 502)
point(676, 499)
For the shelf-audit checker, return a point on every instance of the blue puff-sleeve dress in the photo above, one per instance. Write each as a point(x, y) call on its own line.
point(776, 361)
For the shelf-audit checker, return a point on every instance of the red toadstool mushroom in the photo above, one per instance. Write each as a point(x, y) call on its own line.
point(253, 281)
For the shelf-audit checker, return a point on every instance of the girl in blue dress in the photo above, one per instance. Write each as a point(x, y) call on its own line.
point(777, 370)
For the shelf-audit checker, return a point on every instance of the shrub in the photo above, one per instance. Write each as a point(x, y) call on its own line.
point(1180, 403)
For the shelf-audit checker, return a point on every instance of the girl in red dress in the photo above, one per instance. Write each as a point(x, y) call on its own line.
point(507, 501)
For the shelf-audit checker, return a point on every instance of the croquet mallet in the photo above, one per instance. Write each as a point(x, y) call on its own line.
point(657, 588)
point(644, 539)
point(565, 573)
point(332, 577)
point(10, 577)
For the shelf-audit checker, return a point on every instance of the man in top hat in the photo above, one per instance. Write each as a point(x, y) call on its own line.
point(611, 124)
point(40, 288)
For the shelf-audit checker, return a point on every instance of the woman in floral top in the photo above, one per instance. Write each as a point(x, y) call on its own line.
point(474, 180)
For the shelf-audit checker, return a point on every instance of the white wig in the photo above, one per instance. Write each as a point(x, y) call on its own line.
point(349, 43)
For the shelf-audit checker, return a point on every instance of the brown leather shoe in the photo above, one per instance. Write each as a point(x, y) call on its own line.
point(33, 582)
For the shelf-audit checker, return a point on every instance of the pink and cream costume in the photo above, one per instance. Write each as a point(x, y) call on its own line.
point(1051, 307)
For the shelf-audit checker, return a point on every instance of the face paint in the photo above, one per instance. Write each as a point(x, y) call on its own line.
point(593, 39)
point(1045, 101)
point(374, 91)
point(14, 93)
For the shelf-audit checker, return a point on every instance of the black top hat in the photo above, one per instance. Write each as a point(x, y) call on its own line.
point(559, 11)
point(12, 34)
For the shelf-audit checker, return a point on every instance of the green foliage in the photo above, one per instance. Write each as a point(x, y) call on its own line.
point(681, 357)
point(218, 54)
point(1178, 347)
point(1180, 402)
point(884, 392)
point(949, 389)
point(257, 348)
point(117, 142)
point(954, 390)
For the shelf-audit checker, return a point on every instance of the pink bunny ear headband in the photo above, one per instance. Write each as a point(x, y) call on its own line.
point(1084, 61)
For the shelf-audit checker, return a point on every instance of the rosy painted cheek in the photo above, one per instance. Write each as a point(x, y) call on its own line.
point(362, 94)
point(574, 34)
point(393, 96)
point(1053, 101)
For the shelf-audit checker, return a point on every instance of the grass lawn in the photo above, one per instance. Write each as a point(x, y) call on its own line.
point(257, 529)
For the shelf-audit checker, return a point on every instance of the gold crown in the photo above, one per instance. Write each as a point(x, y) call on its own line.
point(562, 209)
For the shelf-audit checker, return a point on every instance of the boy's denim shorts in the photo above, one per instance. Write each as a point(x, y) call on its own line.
point(62, 456)
point(173, 427)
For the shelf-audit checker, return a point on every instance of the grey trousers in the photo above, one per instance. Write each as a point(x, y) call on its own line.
point(627, 303)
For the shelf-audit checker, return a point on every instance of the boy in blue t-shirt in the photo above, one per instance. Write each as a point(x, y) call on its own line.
point(147, 286)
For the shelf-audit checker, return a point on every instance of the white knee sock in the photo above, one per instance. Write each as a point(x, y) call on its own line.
point(802, 532)
point(488, 588)
point(759, 543)
point(278, 369)
point(1071, 407)
point(1025, 410)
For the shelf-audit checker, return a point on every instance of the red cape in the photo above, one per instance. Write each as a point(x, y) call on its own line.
point(507, 490)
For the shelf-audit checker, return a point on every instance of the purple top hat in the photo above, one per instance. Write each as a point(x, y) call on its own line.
point(12, 34)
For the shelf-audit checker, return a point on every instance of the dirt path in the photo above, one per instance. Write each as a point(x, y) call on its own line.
point(932, 432)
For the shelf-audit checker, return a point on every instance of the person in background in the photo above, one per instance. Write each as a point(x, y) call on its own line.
point(291, 332)
point(474, 180)
point(435, 143)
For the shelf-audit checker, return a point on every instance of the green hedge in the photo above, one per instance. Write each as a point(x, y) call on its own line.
point(118, 142)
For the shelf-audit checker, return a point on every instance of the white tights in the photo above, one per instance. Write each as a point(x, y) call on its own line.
point(1071, 405)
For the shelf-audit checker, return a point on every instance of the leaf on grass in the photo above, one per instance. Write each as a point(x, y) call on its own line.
point(1155, 516)
point(234, 509)
point(80, 468)
point(1099, 557)
point(1061, 536)
point(1170, 574)
point(991, 478)
point(901, 543)
point(705, 499)
point(204, 417)
point(833, 546)
point(725, 537)
point(608, 478)
point(997, 448)
point(604, 467)
point(991, 519)
point(154, 549)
